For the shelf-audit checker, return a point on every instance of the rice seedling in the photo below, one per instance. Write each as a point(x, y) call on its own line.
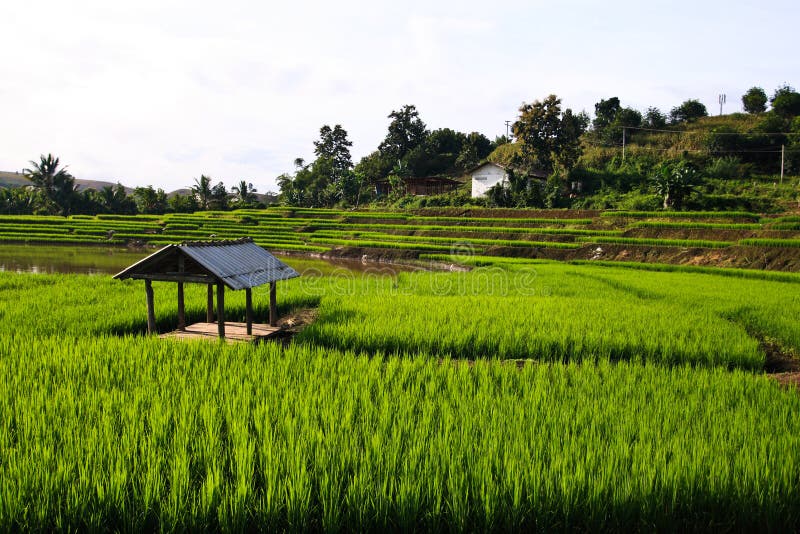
point(781, 243)
point(656, 242)
point(642, 403)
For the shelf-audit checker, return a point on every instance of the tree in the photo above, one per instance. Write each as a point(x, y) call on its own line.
point(674, 181)
point(605, 112)
point(786, 102)
point(114, 199)
point(289, 195)
point(245, 193)
point(219, 197)
point(148, 200)
point(406, 132)
point(334, 145)
point(548, 137)
point(20, 200)
point(475, 148)
point(332, 177)
point(653, 118)
point(183, 203)
point(755, 100)
point(784, 89)
point(56, 184)
point(569, 147)
point(689, 111)
point(202, 191)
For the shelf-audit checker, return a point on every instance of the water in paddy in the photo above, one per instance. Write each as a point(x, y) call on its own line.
point(111, 260)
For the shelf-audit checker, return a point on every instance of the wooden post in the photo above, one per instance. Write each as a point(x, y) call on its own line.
point(221, 309)
point(210, 308)
point(181, 307)
point(151, 313)
point(248, 306)
point(273, 304)
point(181, 312)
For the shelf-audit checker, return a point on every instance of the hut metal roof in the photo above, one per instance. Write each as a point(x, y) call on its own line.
point(239, 264)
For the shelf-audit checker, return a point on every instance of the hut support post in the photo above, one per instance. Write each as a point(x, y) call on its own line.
point(210, 307)
point(181, 311)
point(273, 304)
point(181, 308)
point(248, 299)
point(151, 313)
point(221, 309)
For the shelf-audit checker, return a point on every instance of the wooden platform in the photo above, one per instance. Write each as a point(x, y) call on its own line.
point(233, 332)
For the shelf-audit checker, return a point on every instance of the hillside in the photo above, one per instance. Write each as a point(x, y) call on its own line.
point(16, 179)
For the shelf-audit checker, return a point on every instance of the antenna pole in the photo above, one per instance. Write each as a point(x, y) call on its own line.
point(508, 123)
point(722, 99)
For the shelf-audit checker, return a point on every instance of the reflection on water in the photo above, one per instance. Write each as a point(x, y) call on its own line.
point(111, 260)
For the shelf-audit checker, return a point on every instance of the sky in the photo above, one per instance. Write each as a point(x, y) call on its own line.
point(160, 92)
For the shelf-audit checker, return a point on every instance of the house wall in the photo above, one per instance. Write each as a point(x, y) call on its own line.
point(485, 177)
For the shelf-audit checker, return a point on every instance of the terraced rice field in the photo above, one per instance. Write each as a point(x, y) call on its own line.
point(320, 231)
point(525, 394)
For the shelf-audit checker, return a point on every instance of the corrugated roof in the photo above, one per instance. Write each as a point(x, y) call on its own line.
point(238, 264)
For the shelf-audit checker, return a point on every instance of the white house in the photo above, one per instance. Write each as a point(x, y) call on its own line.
point(485, 176)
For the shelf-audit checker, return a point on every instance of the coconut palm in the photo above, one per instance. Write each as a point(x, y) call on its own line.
point(56, 184)
point(244, 192)
point(202, 190)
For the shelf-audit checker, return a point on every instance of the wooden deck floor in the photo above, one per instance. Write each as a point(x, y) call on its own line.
point(233, 332)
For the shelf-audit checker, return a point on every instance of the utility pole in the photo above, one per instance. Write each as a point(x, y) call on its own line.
point(722, 99)
point(623, 144)
point(508, 126)
point(783, 152)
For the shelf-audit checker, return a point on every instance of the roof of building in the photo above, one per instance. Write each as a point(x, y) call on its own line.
point(239, 264)
point(537, 173)
point(484, 164)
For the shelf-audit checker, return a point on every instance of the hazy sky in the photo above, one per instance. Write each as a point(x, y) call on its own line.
point(158, 92)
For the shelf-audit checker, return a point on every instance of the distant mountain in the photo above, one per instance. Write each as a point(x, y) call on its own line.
point(16, 179)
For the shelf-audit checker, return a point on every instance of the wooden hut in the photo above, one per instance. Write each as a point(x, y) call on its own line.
point(238, 264)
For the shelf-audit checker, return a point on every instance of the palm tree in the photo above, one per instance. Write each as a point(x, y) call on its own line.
point(57, 185)
point(245, 192)
point(202, 190)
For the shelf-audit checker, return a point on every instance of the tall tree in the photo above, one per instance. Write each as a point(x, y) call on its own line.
point(549, 138)
point(605, 112)
point(202, 191)
point(755, 100)
point(334, 145)
point(406, 132)
point(56, 184)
